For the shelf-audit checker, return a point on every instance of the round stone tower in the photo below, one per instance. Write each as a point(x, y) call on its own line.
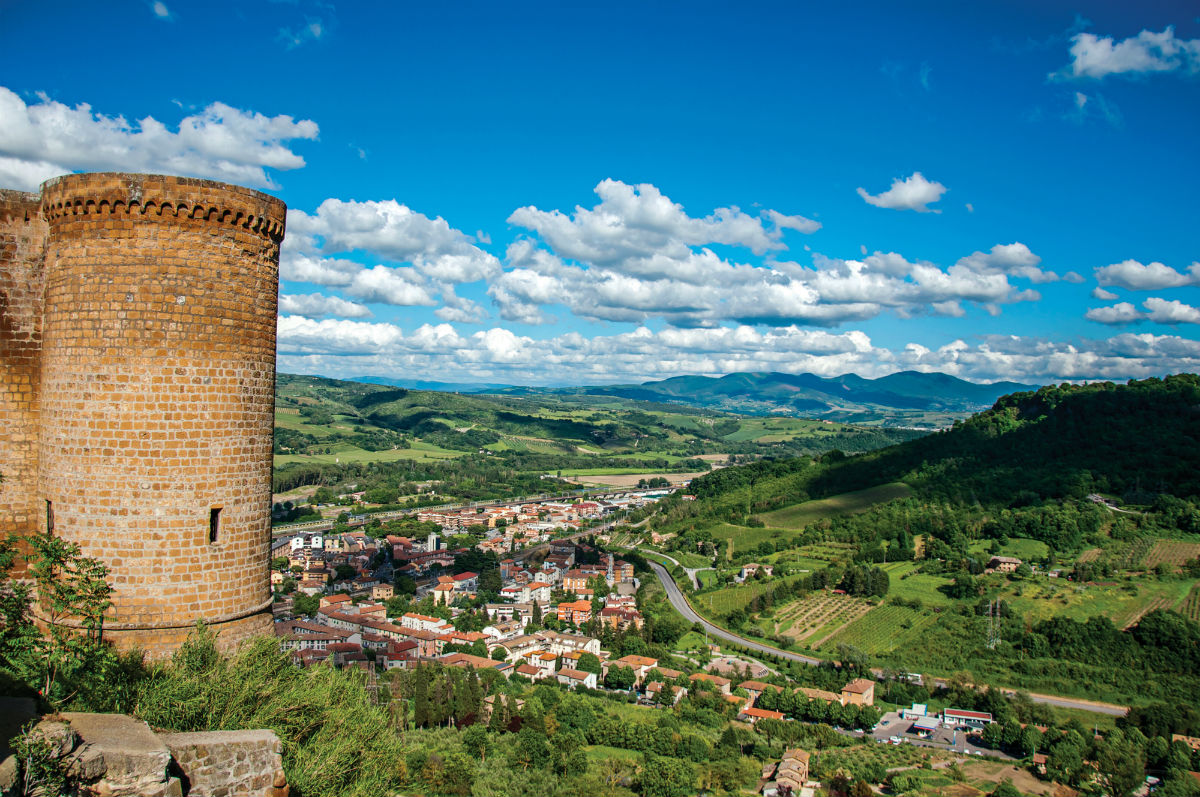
point(157, 397)
point(22, 257)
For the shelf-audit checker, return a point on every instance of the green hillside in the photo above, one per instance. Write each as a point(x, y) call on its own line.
point(908, 398)
point(331, 432)
point(1095, 488)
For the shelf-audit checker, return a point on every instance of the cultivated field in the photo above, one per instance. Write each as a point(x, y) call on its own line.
point(820, 612)
point(741, 538)
point(343, 453)
point(1020, 547)
point(1171, 552)
point(800, 515)
point(624, 479)
point(1190, 606)
point(1123, 602)
point(723, 601)
point(883, 629)
point(829, 551)
point(906, 583)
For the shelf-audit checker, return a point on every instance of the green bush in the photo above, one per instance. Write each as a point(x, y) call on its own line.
point(335, 741)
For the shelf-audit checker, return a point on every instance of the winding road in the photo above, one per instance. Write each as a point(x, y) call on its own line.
point(691, 571)
point(680, 602)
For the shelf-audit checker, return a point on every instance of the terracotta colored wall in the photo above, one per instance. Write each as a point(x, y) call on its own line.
point(22, 255)
point(157, 394)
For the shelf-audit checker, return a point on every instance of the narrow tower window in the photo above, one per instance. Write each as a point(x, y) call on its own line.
point(49, 516)
point(214, 524)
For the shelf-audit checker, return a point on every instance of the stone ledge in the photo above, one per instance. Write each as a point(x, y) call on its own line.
point(113, 755)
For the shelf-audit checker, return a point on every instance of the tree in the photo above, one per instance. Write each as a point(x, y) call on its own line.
point(620, 678)
point(421, 707)
point(1005, 789)
point(500, 717)
point(72, 590)
point(477, 741)
point(1121, 763)
point(589, 662)
point(306, 605)
point(665, 777)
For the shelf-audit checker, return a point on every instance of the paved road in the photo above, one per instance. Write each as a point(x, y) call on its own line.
point(681, 605)
point(691, 571)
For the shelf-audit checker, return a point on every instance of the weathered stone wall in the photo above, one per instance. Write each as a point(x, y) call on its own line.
point(113, 755)
point(228, 763)
point(139, 352)
point(22, 257)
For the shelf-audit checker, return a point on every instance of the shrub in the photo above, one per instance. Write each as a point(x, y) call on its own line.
point(335, 741)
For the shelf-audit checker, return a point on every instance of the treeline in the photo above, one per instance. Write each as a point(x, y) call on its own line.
point(1059, 442)
point(1162, 641)
point(467, 478)
point(1137, 441)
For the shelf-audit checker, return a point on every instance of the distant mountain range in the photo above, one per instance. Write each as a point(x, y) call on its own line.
point(907, 398)
point(421, 384)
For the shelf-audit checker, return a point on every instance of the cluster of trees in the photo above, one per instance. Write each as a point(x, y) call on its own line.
point(865, 582)
point(796, 706)
point(1162, 641)
point(287, 512)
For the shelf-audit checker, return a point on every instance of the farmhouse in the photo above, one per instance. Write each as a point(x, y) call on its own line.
point(1004, 564)
point(751, 570)
point(859, 692)
point(819, 694)
point(722, 684)
point(753, 715)
point(791, 774)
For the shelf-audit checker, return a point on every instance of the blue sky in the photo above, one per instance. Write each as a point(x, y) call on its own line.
point(569, 193)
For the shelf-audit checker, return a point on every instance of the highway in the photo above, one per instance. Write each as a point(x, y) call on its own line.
point(680, 602)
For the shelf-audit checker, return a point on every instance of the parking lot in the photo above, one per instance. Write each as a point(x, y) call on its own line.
point(893, 729)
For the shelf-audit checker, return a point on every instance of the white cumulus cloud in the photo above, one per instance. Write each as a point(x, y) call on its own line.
point(347, 348)
point(1173, 311)
point(1148, 277)
point(396, 286)
point(638, 221)
point(1114, 315)
point(1095, 56)
point(911, 193)
point(392, 230)
point(316, 305)
point(48, 138)
point(1014, 259)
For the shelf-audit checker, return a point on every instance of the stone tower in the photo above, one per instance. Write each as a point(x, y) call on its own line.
point(137, 326)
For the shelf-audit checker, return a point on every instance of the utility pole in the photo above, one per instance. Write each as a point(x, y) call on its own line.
point(993, 624)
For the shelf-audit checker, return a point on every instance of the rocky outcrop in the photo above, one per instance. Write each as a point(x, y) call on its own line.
point(113, 755)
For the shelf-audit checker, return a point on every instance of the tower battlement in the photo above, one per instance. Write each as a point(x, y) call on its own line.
point(137, 333)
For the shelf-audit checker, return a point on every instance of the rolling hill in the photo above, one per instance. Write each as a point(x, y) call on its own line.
point(907, 398)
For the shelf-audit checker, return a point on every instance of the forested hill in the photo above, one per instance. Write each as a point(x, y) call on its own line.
point(1133, 441)
point(907, 398)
